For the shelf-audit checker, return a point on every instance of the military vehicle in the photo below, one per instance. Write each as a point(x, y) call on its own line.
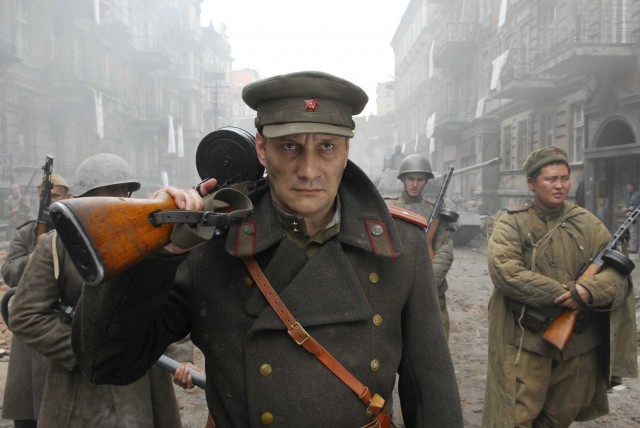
point(470, 221)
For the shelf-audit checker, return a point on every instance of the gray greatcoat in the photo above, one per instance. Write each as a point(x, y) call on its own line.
point(27, 368)
point(69, 399)
point(530, 255)
point(254, 369)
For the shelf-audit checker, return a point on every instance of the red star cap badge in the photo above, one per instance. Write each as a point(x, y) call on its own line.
point(311, 105)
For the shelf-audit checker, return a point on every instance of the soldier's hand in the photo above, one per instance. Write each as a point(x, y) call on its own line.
point(186, 199)
point(567, 301)
point(183, 378)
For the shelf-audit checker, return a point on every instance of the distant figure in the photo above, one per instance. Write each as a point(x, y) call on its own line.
point(17, 210)
point(396, 158)
point(633, 200)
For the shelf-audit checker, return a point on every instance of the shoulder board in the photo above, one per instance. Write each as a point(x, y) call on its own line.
point(410, 216)
point(391, 198)
point(430, 200)
point(522, 207)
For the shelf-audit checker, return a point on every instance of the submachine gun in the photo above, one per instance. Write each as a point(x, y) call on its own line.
point(107, 235)
point(439, 212)
point(560, 330)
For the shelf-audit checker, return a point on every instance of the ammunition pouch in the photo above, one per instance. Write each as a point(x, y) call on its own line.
point(537, 322)
point(529, 318)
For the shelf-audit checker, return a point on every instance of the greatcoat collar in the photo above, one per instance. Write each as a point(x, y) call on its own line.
point(365, 220)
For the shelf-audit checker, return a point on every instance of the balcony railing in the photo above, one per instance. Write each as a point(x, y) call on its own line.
point(454, 42)
point(454, 112)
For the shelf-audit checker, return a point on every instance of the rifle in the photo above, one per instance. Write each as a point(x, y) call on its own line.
point(106, 235)
point(560, 330)
point(438, 211)
point(44, 219)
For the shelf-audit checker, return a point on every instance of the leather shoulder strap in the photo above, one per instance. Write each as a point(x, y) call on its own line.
point(375, 403)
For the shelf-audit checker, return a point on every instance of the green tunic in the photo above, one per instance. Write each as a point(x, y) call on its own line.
point(442, 247)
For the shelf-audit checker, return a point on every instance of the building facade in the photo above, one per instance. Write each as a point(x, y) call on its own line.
point(479, 79)
point(139, 79)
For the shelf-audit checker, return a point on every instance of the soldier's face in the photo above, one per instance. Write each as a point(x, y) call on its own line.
point(414, 183)
point(551, 186)
point(304, 173)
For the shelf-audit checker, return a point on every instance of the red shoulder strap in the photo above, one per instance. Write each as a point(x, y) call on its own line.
point(405, 214)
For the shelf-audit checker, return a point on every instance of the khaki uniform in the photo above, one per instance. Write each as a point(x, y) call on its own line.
point(69, 399)
point(442, 247)
point(531, 253)
point(365, 294)
point(27, 368)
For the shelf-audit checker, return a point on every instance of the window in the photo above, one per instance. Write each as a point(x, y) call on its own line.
point(578, 132)
point(522, 142)
point(506, 147)
point(546, 134)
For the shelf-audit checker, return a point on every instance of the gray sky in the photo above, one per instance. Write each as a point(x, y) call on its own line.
point(348, 38)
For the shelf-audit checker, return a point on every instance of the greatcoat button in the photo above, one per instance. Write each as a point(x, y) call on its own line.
point(265, 370)
point(266, 418)
point(374, 278)
point(247, 281)
point(377, 320)
point(376, 230)
point(375, 365)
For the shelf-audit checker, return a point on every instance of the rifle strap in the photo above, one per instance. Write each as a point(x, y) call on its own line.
point(222, 209)
point(374, 403)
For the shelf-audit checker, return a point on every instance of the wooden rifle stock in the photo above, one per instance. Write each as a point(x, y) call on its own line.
point(560, 330)
point(107, 235)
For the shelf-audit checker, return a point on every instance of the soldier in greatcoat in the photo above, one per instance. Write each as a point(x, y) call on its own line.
point(27, 368)
point(354, 278)
point(535, 254)
point(70, 400)
point(415, 172)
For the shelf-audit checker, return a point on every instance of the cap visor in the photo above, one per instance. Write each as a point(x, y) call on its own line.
point(281, 130)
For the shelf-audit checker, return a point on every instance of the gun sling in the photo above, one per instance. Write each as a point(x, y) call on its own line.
point(375, 403)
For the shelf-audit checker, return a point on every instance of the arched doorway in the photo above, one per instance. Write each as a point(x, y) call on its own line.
point(614, 165)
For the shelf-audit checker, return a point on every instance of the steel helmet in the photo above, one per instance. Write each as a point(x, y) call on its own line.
point(103, 169)
point(415, 163)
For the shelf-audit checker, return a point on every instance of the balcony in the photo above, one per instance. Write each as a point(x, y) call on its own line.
point(455, 43)
point(452, 115)
point(151, 53)
point(519, 78)
point(591, 48)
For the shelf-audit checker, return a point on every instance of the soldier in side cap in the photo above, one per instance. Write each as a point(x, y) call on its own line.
point(27, 368)
point(535, 255)
point(353, 277)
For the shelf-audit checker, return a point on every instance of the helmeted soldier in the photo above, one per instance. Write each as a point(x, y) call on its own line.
point(414, 173)
point(69, 399)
